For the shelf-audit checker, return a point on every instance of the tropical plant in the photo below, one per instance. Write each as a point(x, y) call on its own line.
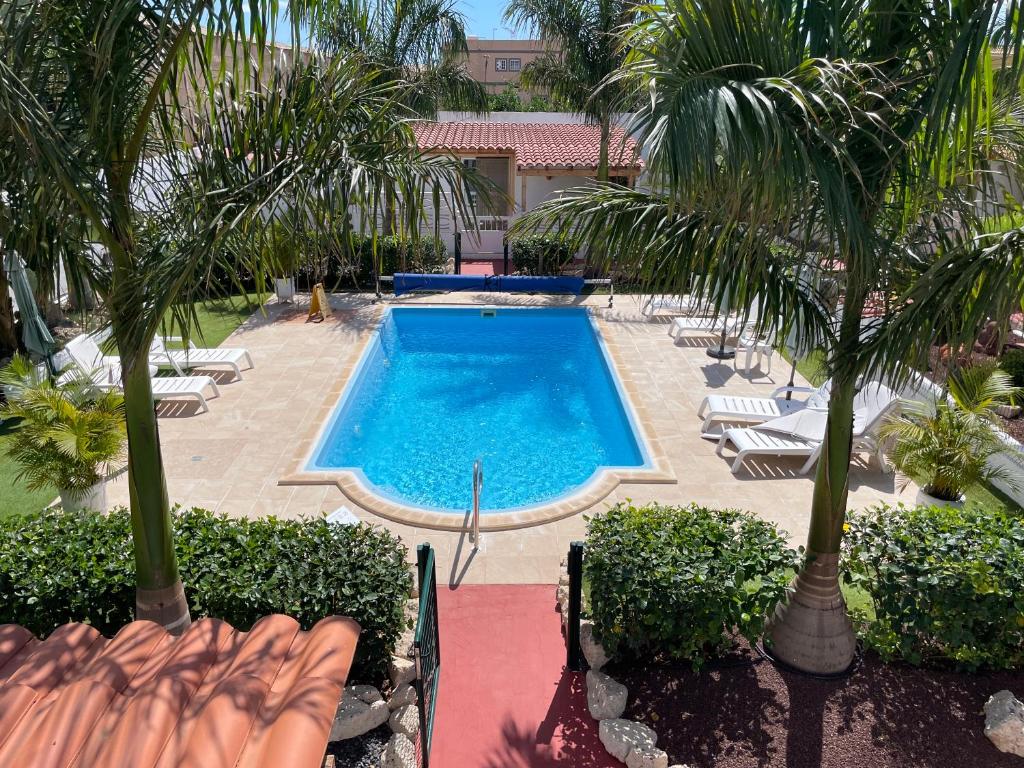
point(583, 50)
point(851, 131)
point(421, 43)
point(97, 100)
point(677, 582)
point(57, 567)
point(1013, 363)
point(947, 443)
point(68, 434)
point(945, 583)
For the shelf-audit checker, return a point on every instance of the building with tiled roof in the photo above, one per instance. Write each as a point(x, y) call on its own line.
point(212, 698)
point(530, 161)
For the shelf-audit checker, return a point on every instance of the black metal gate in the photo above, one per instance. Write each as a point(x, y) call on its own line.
point(426, 649)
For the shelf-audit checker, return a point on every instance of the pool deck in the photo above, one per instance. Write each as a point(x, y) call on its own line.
point(234, 458)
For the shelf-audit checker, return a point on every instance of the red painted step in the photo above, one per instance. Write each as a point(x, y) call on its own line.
point(505, 699)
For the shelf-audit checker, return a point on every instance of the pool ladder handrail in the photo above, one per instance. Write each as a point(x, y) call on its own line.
point(478, 486)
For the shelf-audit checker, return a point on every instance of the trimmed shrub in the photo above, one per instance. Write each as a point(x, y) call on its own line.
point(674, 581)
point(539, 255)
point(947, 584)
point(1013, 363)
point(57, 567)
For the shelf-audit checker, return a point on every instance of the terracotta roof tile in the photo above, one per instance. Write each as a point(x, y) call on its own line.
point(536, 146)
point(214, 697)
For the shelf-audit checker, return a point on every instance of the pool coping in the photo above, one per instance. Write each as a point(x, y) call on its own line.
point(591, 493)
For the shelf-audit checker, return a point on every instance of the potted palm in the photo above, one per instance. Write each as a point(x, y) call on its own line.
point(69, 434)
point(946, 444)
point(283, 259)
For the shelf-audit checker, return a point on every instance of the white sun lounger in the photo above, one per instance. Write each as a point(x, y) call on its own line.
point(759, 409)
point(801, 433)
point(105, 373)
point(182, 360)
point(686, 304)
point(706, 325)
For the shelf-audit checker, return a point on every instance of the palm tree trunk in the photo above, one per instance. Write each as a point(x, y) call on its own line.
point(812, 631)
point(8, 338)
point(159, 594)
point(602, 162)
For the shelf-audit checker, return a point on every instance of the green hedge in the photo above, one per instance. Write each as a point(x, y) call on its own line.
point(57, 567)
point(947, 584)
point(1013, 363)
point(674, 581)
point(539, 255)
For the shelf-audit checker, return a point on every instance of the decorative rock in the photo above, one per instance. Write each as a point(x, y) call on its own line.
point(399, 753)
point(412, 610)
point(620, 737)
point(647, 758)
point(361, 709)
point(406, 720)
point(563, 579)
point(1004, 722)
point(593, 651)
point(401, 670)
point(403, 648)
point(606, 698)
point(404, 695)
point(562, 596)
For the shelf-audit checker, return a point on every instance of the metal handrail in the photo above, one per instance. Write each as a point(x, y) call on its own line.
point(478, 486)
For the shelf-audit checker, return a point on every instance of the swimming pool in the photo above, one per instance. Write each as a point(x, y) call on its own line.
point(529, 391)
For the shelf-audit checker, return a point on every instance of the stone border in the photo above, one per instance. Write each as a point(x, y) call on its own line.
point(630, 742)
point(604, 481)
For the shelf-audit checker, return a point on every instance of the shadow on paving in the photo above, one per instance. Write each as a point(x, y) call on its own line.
point(568, 725)
point(746, 712)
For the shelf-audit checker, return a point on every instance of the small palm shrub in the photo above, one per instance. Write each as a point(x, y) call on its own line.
point(674, 581)
point(947, 444)
point(69, 434)
point(947, 583)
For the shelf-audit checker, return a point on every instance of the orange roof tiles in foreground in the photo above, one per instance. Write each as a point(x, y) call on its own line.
point(212, 698)
point(536, 146)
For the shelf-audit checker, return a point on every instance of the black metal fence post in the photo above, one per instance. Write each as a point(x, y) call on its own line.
point(574, 656)
point(426, 648)
point(504, 242)
point(458, 253)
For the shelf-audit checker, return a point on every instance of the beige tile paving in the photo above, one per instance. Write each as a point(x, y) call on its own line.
point(233, 458)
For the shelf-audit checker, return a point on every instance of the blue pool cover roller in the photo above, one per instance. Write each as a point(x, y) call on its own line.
point(406, 282)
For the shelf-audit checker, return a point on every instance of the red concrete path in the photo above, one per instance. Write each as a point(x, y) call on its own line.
point(505, 699)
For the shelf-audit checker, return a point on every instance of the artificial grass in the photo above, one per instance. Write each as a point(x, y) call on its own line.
point(14, 496)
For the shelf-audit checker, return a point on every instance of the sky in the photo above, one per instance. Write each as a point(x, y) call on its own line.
point(483, 18)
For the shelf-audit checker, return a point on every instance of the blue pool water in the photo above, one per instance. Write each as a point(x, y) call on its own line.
point(527, 390)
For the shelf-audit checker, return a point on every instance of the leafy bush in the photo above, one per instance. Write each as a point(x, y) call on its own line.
point(1013, 363)
point(539, 255)
point(69, 433)
point(946, 583)
point(421, 256)
point(673, 581)
point(57, 567)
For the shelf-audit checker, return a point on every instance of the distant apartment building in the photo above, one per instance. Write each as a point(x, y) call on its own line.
point(495, 63)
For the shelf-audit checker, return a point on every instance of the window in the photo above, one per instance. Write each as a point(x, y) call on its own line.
point(514, 65)
point(508, 65)
point(500, 65)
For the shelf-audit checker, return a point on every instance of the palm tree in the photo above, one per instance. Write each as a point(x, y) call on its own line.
point(101, 102)
point(583, 49)
point(419, 42)
point(780, 132)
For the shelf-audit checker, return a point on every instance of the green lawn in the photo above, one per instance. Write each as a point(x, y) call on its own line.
point(216, 321)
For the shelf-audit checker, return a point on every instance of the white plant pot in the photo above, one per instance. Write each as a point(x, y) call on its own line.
point(94, 499)
point(927, 500)
point(284, 287)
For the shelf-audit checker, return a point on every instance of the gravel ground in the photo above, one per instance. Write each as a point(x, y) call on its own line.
point(361, 752)
point(746, 712)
